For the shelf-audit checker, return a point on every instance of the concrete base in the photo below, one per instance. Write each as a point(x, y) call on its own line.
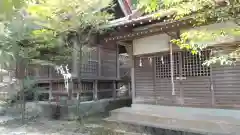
point(69, 110)
point(185, 119)
point(146, 130)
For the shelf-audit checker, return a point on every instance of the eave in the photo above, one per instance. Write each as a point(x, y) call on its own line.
point(126, 21)
point(161, 27)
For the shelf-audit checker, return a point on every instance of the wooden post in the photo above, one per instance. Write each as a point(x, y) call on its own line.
point(118, 63)
point(70, 90)
point(114, 90)
point(95, 91)
point(50, 85)
point(129, 89)
point(99, 60)
point(130, 52)
point(172, 70)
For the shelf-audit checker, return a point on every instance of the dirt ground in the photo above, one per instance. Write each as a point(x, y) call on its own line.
point(37, 126)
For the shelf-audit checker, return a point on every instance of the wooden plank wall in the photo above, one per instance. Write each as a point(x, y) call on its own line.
point(218, 88)
point(226, 86)
point(144, 81)
point(89, 66)
point(108, 56)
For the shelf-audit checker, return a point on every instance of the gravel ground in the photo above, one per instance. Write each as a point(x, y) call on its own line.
point(90, 126)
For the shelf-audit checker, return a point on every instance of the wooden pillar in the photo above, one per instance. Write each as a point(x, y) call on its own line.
point(172, 68)
point(130, 53)
point(50, 85)
point(129, 89)
point(118, 62)
point(99, 60)
point(114, 90)
point(95, 90)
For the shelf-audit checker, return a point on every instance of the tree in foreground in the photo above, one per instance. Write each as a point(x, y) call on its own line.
point(203, 12)
point(41, 31)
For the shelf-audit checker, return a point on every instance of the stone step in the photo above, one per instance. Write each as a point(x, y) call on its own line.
point(147, 118)
point(178, 109)
point(200, 114)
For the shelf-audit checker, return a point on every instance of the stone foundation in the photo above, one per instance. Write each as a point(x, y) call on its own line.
point(68, 110)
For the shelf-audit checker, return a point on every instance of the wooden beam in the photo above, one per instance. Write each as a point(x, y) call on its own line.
point(157, 29)
point(123, 43)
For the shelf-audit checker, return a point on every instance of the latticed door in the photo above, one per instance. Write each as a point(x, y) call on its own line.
point(163, 83)
point(195, 79)
point(192, 81)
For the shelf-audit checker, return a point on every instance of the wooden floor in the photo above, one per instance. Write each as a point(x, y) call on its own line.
point(196, 120)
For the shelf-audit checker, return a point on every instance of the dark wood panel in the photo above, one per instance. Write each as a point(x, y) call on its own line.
point(108, 62)
point(144, 81)
point(227, 85)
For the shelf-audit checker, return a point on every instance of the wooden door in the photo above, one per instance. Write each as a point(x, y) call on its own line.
point(195, 79)
point(163, 84)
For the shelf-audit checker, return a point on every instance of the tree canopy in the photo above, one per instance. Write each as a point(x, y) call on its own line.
point(203, 12)
point(42, 30)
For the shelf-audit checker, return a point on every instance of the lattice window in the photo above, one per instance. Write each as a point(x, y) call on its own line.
point(144, 62)
point(163, 65)
point(193, 64)
point(89, 62)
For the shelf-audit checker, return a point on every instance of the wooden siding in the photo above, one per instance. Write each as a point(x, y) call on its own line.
point(144, 80)
point(89, 65)
point(227, 85)
point(108, 62)
point(195, 85)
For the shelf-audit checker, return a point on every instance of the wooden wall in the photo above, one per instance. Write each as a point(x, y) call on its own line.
point(195, 85)
point(109, 58)
point(101, 62)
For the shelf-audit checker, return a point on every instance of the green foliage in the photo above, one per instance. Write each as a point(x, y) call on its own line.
point(42, 31)
point(8, 8)
point(203, 12)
